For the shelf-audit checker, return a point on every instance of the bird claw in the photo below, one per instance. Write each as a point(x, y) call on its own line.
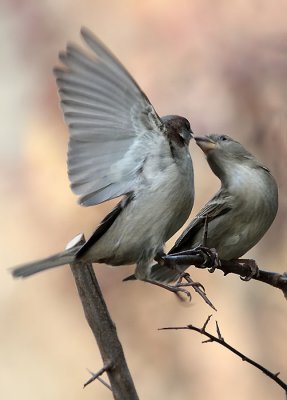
point(253, 269)
point(177, 289)
point(189, 282)
point(197, 286)
point(179, 286)
point(211, 257)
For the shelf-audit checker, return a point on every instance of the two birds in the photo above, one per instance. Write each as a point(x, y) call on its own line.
point(119, 146)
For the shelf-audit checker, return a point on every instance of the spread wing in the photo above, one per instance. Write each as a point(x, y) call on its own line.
point(216, 207)
point(111, 122)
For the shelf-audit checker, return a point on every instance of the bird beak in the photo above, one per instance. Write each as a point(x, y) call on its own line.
point(205, 143)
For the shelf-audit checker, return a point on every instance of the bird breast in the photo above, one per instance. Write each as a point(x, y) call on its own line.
point(162, 202)
point(254, 196)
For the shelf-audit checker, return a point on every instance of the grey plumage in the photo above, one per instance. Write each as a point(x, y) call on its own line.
point(239, 214)
point(119, 146)
point(62, 258)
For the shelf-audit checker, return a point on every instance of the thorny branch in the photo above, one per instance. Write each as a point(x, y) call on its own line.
point(220, 340)
point(203, 259)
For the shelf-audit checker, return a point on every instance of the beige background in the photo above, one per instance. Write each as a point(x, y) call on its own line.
point(221, 64)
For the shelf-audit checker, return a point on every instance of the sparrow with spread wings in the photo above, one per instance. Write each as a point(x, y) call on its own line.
point(119, 146)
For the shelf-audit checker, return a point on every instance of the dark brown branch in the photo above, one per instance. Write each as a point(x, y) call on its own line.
point(203, 260)
point(220, 340)
point(103, 328)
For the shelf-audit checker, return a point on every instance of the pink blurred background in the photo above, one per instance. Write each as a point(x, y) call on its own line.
point(221, 64)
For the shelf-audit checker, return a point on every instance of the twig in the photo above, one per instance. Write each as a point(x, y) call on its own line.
point(202, 260)
point(220, 340)
point(103, 328)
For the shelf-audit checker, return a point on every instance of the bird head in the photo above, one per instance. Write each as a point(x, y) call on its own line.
point(223, 153)
point(178, 129)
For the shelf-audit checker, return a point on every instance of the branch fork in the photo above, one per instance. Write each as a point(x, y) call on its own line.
point(220, 340)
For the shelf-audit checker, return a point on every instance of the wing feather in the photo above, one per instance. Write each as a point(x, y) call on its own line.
point(214, 208)
point(107, 115)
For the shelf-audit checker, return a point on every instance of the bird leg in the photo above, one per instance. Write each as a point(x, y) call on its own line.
point(179, 286)
point(197, 286)
point(171, 261)
point(177, 289)
point(253, 268)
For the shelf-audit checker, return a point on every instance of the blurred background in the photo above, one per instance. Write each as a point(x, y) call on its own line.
point(223, 65)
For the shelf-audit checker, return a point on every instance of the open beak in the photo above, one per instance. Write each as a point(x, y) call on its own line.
point(205, 143)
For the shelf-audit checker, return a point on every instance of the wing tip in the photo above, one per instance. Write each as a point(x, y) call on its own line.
point(85, 32)
point(89, 37)
point(58, 72)
point(63, 56)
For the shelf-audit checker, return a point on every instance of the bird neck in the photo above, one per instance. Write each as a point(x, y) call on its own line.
point(243, 177)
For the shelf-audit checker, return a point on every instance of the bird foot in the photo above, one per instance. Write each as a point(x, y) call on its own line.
point(253, 267)
point(197, 286)
point(211, 257)
point(177, 288)
point(189, 282)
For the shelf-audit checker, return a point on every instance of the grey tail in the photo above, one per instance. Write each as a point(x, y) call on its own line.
point(163, 274)
point(65, 257)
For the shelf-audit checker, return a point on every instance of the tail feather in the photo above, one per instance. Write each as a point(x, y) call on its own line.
point(65, 257)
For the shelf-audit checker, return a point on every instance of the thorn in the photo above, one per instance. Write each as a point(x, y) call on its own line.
point(206, 323)
point(220, 337)
point(99, 373)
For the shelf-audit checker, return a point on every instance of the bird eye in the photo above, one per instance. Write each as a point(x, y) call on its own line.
point(222, 138)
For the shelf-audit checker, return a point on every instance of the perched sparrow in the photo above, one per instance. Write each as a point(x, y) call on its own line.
point(238, 215)
point(119, 146)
